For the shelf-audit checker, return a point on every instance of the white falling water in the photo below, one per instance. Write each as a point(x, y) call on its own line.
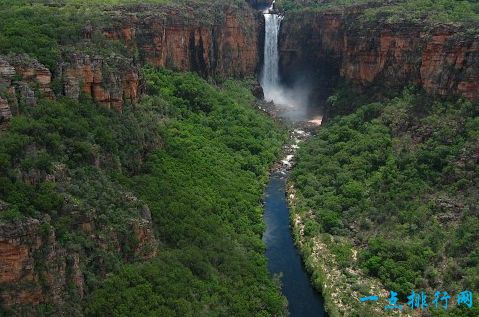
point(291, 102)
point(270, 79)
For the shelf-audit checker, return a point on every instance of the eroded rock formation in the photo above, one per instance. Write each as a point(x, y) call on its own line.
point(444, 59)
point(224, 47)
point(35, 269)
point(108, 81)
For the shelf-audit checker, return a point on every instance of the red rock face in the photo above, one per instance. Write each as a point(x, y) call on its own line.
point(34, 72)
point(443, 60)
point(27, 279)
point(229, 48)
point(24, 80)
point(93, 77)
point(450, 65)
point(18, 266)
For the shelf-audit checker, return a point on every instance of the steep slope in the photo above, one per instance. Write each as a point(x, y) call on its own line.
point(372, 47)
point(99, 52)
point(175, 179)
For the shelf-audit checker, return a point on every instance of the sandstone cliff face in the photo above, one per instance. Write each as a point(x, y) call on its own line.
point(442, 59)
point(108, 81)
point(32, 264)
point(159, 36)
point(228, 47)
point(35, 269)
point(22, 79)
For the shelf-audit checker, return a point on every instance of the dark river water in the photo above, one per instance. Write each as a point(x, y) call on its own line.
point(303, 300)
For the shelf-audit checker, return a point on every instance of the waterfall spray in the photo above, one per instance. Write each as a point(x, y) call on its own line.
point(292, 102)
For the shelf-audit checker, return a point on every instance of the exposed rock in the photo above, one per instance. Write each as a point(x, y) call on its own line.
point(26, 94)
point(20, 244)
point(33, 73)
point(108, 81)
point(5, 112)
point(257, 91)
point(20, 77)
point(7, 90)
point(444, 59)
point(35, 269)
point(226, 48)
point(6, 71)
point(146, 246)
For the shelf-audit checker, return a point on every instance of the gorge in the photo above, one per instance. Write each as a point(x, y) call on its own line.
point(130, 186)
point(283, 258)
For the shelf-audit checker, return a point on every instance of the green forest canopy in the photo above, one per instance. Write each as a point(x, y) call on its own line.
point(205, 153)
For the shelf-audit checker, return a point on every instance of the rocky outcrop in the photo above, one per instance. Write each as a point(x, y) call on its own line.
point(226, 46)
point(32, 264)
point(22, 80)
point(108, 81)
point(31, 73)
point(443, 58)
point(35, 269)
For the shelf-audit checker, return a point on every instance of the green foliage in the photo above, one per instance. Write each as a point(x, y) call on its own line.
point(400, 179)
point(46, 29)
point(464, 11)
point(203, 190)
point(196, 154)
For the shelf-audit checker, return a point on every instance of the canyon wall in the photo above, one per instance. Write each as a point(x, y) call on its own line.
point(214, 42)
point(443, 59)
point(223, 46)
point(107, 81)
point(35, 267)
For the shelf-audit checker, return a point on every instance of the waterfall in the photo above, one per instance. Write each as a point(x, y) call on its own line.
point(270, 75)
point(291, 101)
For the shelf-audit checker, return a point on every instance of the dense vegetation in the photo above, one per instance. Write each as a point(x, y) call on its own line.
point(204, 188)
point(399, 181)
point(466, 11)
point(198, 157)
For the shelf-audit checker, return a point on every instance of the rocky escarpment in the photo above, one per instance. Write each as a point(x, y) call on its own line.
point(443, 59)
point(30, 260)
point(108, 81)
point(224, 45)
point(35, 268)
point(53, 261)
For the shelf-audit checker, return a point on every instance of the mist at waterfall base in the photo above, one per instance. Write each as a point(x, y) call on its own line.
point(283, 258)
point(294, 100)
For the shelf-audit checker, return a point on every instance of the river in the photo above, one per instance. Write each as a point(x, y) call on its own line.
point(283, 257)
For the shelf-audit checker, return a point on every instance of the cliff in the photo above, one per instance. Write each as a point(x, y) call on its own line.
point(39, 265)
point(442, 58)
point(108, 81)
point(225, 45)
point(222, 41)
point(35, 268)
